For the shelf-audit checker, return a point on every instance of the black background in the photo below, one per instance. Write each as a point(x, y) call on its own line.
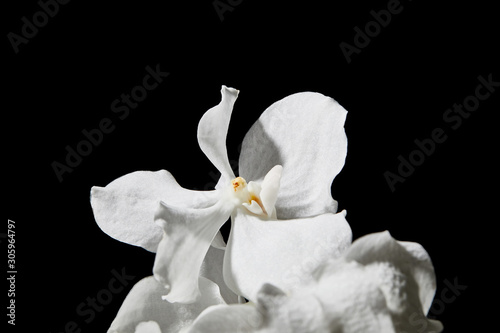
point(396, 90)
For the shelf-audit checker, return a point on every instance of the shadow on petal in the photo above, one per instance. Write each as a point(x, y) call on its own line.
point(304, 133)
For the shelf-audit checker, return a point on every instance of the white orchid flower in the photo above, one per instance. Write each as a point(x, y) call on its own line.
point(284, 219)
point(378, 285)
point(145, 311)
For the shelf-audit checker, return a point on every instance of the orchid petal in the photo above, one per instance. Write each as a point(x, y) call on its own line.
point(228, 319)
point(187, 236)
point(305, 134)
point(212, 269)
point(274, 312)
point(144, 304)
point(254, 187)
point(124, 209)
point(219, 242)
point(423, 273)
point(212, 132)
point(376, 297)
point(348, 297)
point(283, 253)
point(299, 312)
point(148, 327)
point(410, 258)
point(352, 300)
point(378, 275)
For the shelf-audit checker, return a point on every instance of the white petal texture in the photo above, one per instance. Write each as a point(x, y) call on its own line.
point(409, 258)
point(379, 285)
point(212, 270)
point(188, 233)
point(275, 312)
point(304, 133)
point(212, 132)
point(227, 319)
point(376, 286)
point(125, 208)
point(148, 327)
point(144, 310)
point(283, 253)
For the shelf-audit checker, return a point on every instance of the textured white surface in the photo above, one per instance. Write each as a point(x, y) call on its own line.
point(125, 208)
point(304, 133)
point(227, 319)
point(378, 285)
point(212, 269)
point(283, 253)
point(188, 233)
point(212, 132)
point(148, 327)
point(144, 304)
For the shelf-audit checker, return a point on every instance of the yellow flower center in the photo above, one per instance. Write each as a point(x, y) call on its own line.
point(257, 197)
point(238, 184)
point(247, 195)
